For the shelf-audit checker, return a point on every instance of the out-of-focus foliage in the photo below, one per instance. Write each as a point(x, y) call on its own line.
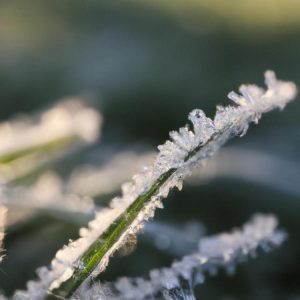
point(269, 15)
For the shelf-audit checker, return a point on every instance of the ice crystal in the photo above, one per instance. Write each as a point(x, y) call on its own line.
point(223, 250)
point(175, 161)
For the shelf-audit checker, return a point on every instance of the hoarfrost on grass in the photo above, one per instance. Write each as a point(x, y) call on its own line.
point(27, 143)
point(175, 160)
point(223, 250)
point(72, 200)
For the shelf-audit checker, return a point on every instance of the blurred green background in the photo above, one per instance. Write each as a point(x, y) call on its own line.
point(145, 65)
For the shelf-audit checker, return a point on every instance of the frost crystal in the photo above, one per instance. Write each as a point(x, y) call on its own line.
point(175, 161)
point(224, 250)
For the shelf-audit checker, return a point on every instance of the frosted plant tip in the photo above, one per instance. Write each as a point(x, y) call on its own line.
point(278, 93)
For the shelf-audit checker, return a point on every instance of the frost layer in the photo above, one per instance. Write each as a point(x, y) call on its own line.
point(223, 250)
point(177, 156)
point(67, 118)
point(35, 140)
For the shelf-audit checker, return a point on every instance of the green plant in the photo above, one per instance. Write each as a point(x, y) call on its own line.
point(113, 226)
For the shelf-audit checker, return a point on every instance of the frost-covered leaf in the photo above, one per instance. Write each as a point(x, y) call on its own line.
point(27, 143)
point(223, 250)
point(176, 159)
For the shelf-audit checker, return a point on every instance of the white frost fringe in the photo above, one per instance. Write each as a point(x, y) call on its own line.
point(223, 250)
point(179, 153)
point(68, 119)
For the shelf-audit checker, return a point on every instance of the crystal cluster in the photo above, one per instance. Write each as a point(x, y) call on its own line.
point(185, 150)
point(223, 250)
